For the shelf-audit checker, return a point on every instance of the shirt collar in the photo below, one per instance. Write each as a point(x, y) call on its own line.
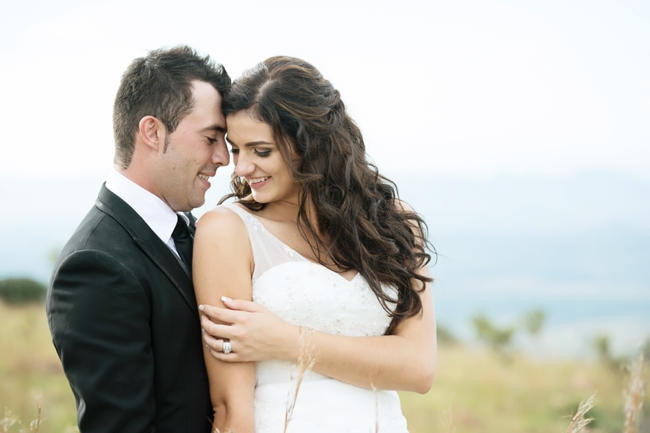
point(160, 218)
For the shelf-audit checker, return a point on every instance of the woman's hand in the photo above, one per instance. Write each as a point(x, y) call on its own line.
point(254, 333)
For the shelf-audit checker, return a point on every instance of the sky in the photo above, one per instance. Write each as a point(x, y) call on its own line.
point(520, 129)
point(463, 88)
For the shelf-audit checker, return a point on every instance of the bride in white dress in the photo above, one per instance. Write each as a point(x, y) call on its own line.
point(331, 259)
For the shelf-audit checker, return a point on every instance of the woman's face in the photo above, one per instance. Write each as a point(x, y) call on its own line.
point(258, 159)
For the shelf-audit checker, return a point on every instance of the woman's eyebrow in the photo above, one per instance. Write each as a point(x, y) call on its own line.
point(249, 144)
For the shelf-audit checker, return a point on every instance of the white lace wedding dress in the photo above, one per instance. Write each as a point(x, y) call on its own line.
point(305, 293)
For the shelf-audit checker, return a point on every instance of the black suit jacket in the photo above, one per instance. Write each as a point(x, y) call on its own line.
point(124, 322)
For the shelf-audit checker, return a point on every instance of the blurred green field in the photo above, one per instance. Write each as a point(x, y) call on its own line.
point(30, 372)
point(475, 391)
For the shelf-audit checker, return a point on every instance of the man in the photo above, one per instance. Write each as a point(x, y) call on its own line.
point(121, 306)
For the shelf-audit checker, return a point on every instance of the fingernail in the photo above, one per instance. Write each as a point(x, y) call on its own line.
point(202, 331)
point(201, 307)
point(225, 299)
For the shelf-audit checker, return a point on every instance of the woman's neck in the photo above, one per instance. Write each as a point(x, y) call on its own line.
point(282, 210)
point(287, 210)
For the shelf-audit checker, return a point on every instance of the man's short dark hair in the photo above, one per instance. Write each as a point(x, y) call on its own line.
point(159, 85)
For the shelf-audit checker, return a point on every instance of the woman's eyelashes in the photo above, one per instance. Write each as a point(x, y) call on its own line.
point(261, 152)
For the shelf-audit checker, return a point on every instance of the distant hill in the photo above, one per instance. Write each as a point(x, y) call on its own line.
point(577, 246)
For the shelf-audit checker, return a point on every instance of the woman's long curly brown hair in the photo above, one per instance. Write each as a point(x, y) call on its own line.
point(362, 225)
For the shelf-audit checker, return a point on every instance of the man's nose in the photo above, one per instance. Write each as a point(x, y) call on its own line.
point(220, 155)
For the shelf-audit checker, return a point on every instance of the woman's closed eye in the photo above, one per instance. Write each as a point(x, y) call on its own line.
point(262, 152)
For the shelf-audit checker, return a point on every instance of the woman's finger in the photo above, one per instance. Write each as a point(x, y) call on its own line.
point(211, 342)
point(216, 330)
point(217, 314)
point(241, 304)
point(226, 357)
point(216, 348)
point(219, 345)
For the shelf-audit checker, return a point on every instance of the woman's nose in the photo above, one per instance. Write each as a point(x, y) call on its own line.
point(243, 166)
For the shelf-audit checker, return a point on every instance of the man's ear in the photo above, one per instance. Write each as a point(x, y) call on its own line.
point(152, 132)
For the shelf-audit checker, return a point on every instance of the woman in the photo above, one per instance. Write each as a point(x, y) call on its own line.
point(335, 263)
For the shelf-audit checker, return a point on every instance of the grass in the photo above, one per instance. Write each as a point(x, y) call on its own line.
point(634, 395)
point(579, 421)
point(475, 391)
point(305, 362)
point(31, 374)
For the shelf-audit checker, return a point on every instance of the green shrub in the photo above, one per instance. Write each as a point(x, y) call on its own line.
point(21, 290)
point(445, 336)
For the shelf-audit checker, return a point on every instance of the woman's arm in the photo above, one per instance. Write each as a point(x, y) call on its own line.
point(402, 361)
point(222, 265)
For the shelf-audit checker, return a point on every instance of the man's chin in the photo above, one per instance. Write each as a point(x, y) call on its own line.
point(196, 203)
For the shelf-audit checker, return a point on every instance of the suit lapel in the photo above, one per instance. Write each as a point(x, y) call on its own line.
point(148, 242)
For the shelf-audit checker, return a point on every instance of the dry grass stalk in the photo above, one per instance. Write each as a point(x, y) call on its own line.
point(448, 421)
point(374, 391)
point(634, 394)
point(305, 362)
point(35, 425)
point(9, 420)
point(579, 422)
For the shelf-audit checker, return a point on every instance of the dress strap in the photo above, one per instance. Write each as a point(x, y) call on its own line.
point(268, 251)
point(249, 220)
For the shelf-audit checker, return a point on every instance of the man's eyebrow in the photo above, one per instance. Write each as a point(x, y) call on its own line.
point(217, 128)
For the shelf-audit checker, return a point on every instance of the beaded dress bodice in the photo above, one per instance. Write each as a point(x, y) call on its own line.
point(305, 293)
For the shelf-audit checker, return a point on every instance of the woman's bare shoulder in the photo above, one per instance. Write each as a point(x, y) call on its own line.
point(221, 222)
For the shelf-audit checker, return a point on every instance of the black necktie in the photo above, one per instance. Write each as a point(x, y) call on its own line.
point(183, 241)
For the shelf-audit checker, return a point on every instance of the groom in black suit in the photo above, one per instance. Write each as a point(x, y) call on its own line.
point(121, 306)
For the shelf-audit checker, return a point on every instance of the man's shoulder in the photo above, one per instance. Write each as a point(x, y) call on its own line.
point(97, 230)
point(99, 246)
point(99, 233)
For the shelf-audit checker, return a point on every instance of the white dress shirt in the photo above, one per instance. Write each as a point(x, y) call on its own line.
point(160, 218)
